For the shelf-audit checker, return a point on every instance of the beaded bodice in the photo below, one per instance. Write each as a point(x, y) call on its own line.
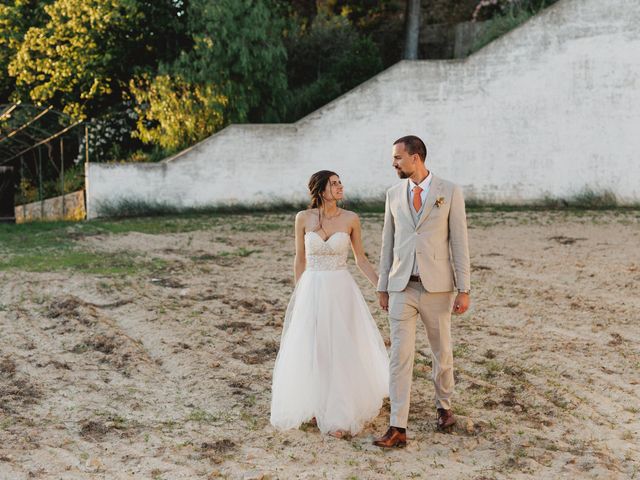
point(326, 255)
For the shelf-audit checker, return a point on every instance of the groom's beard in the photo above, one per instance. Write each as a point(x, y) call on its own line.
point(402, 174)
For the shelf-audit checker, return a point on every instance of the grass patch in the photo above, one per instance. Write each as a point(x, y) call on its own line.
point(258, 226)
point(240, 252)
point(143, 208)
point(202, 416)
point(138, 208)
point(251, 421)
point(26, 236)
point(79, 260)
point(586, 199)
point(52, 246)
point(32, 235)
point(152, 225)
point(493, 368)
point(461, 350)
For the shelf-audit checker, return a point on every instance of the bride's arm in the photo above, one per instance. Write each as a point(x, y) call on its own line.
point(299, 264)
point(358, 252)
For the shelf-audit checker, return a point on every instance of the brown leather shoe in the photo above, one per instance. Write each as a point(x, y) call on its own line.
point(446, 419)
point(394, 438)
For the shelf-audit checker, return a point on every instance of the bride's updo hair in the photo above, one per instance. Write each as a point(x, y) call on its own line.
point(317, 184)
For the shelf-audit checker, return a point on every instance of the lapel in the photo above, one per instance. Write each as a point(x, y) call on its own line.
point(404, 201)
point(435, 190)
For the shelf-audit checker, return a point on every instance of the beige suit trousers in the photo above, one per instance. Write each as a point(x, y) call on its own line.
point(434, 309)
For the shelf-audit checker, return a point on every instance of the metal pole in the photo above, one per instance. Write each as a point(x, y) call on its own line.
point(39, 174)
point(24, 200)
point(62, 174)
point(86, 170)
point(86, 143)
point(40, 195)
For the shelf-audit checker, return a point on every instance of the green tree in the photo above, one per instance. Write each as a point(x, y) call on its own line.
point(238, 46)
point(83, 57)
point(383, 21)
point(325, 61)
point(235, 72)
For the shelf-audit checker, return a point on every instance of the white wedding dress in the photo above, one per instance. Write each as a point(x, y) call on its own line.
point(332, 363)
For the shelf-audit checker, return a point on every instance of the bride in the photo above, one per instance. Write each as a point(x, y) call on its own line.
point(332, 367)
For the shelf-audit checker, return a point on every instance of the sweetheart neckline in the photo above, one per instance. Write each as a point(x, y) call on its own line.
point(329, 237)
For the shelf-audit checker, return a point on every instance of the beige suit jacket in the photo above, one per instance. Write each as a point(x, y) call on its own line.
point(439, 240)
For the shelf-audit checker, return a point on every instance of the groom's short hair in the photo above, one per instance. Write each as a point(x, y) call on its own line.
point(413, 145)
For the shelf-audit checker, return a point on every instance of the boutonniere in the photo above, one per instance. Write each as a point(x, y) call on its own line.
point(439, 202)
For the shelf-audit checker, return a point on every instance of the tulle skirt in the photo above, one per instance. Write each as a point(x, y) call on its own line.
point(332, 363)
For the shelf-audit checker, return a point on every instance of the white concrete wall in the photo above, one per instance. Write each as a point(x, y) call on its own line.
point(549, 109)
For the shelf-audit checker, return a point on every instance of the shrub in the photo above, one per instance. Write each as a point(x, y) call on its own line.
point(503, 16)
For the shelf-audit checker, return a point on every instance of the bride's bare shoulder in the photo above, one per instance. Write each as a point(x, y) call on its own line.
point(305, 213)
point(304, 217)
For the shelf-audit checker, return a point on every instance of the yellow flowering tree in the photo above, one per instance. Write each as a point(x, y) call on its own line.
point(174, 113)
point(82, 58)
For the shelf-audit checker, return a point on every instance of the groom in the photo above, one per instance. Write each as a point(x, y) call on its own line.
point(423, 262)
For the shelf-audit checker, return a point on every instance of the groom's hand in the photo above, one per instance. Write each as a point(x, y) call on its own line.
point(383, 299)
point(461, 303)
